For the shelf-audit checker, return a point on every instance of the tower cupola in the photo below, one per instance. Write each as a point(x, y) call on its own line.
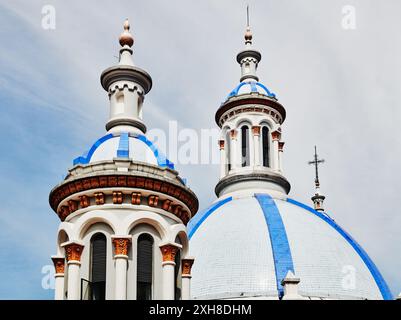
point(127, 86)
point(250, 120)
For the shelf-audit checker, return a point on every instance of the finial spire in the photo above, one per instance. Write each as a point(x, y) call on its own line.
point(317, 198)
point(248, 33)
point(126, 38)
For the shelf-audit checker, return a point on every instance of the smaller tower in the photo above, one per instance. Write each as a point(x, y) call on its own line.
point(317, 198)
point(127, 86)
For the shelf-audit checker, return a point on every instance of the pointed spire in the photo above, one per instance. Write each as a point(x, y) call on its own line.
point(249, 57)
point(248, 33)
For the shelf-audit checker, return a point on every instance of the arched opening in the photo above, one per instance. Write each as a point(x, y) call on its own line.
point(228, 147)
point(245, 146)
point(265, 147)
point(144, 274)
point(98, 266)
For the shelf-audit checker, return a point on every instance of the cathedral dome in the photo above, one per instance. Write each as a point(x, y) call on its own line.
point(124, 146)
point(249, 87)
point(245, 245)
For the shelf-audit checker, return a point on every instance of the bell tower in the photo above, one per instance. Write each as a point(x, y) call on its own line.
point(250, 144)
point(123, 207)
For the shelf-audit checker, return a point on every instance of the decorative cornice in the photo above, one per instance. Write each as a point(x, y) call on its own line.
point(187, 266)
point(73, 251)
point(59, 264)
point(259, 176)
point(121, 245)
point(126, 73)
point(256, 99)
point(168, 252)
point(78, 185)
point(126, 122)
point(249, 53)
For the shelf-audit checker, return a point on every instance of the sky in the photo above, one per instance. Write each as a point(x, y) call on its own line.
point(340, 84)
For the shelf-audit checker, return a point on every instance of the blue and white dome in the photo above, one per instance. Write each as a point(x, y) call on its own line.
point(245, 246)
point(126, 146)
point(247, 87)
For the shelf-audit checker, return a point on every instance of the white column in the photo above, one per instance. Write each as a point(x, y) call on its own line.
point(121, 247)
point(233, 149)
point(275, 156)
point(73, 252)
point(256, 145)
point(186, 278)
point(169, 251)
point(280, 152)
point(59, 265)
point(222, 159)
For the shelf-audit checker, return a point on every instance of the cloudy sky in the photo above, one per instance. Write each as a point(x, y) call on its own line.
point(341, 89)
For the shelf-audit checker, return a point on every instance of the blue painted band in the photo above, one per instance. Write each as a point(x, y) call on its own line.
point(196, 221)
point(87, 158)
point(381, 283)
point(123, 146)
point(278, 239)
point(253, 86)
point(161, 158)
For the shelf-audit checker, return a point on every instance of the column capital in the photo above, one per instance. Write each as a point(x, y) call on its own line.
point(73, 251)
point(221, 144)
point(121, 245)
point(59, 264)
point(187, 266)
point(276, 135)
point(281, 146)
point(256, 130)
point(233, 134)
point(169, 250)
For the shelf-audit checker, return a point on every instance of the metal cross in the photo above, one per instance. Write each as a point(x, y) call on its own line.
point(316, 162)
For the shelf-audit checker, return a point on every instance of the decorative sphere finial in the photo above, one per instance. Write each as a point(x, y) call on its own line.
point(126, 37)
point(248, 35)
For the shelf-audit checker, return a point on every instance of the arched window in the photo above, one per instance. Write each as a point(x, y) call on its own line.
point(144, 275)
point(228, 147)
point(265, 147)
point(245, 146)
point(98, 266)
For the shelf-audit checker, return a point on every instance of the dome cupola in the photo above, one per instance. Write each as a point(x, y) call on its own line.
point(250, 120)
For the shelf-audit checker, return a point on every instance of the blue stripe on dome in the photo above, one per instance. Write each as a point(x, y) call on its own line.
point(123, 146)
point(253, 88)
point(380, 282)
point(162, 160)
point(278, 238)
point(87, 158)
point(197, 220)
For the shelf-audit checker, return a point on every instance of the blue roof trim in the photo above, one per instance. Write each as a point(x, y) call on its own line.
point(253, 86)
point(162, 160)
point(85, 159)
point(198, 219)
point(123, 146)
point(278, 238)
point(381, 283)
